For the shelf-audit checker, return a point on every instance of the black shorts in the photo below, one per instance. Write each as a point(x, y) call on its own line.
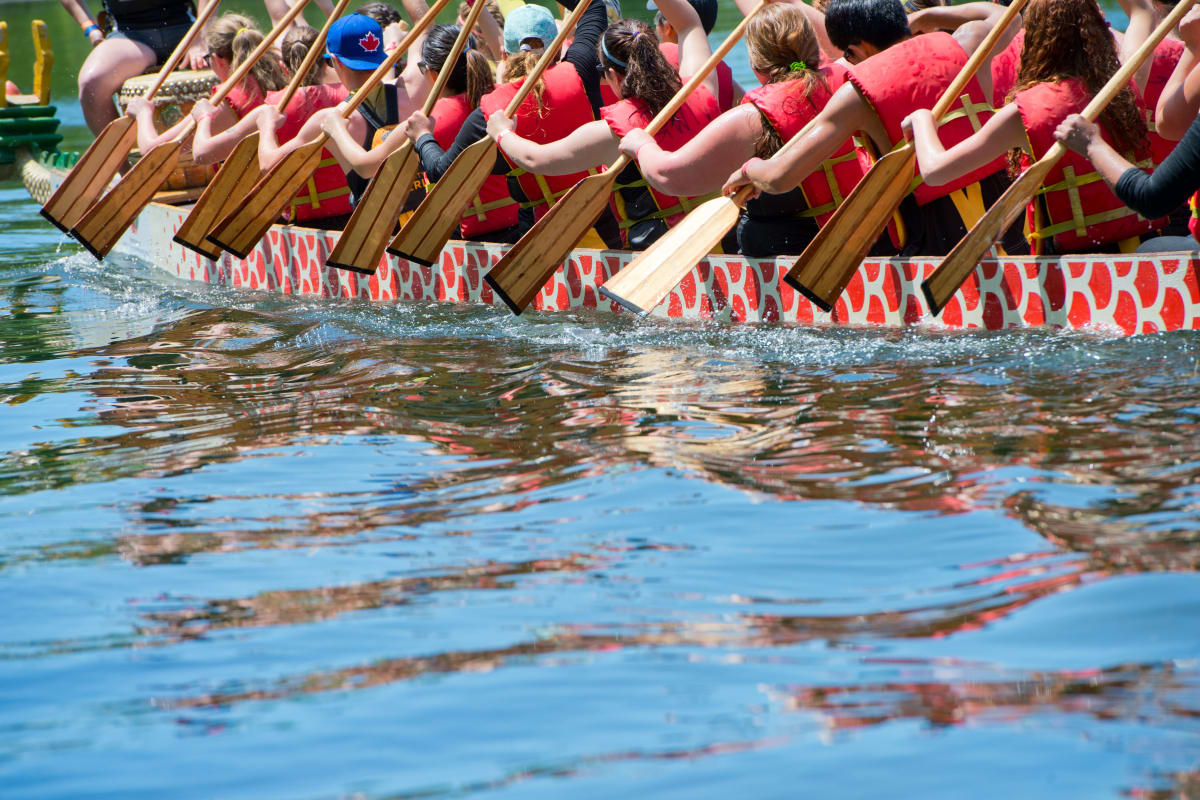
point(161, 40)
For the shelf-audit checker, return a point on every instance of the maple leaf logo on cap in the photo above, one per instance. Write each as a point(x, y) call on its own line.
point(370, 42)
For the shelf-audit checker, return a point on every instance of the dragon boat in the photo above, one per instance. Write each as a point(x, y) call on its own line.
point(1125, 294)
point(1121, 294)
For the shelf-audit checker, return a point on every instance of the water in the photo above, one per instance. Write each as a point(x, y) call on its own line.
point(263, 547)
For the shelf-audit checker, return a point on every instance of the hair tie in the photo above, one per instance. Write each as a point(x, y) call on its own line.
point(797, 66)
point(610, 56)
point(240, 31)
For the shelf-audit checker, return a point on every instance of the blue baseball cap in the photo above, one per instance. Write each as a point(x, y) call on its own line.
point(529, 22)
point(357, 41)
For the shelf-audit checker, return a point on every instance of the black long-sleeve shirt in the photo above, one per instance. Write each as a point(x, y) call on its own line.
point(1170, 185)
point(581, 55)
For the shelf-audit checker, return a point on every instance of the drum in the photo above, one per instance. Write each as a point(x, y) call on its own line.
point(172, 102)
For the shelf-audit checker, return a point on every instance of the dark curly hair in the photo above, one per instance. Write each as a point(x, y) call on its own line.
point(1070, 39)
point(646, 75)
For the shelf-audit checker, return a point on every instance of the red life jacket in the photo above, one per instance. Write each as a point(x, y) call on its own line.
point(670, 52)
point(788, 109)
point(1162, 64)
point(894, 86)
point(698, 110)
point(564, 108)
point(325, 193)
point(493, 209)
point(1005, 66)
point(1082, 211)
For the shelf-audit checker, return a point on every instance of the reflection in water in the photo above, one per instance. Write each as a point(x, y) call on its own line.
point(315, 504)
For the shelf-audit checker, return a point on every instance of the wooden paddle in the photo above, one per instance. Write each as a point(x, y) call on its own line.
point(654, 272)
point(958, 265)
point(360, 247)
point(239, 172)
point(92, 173)
point(106, 222)
point(834, 254)
point(242, 230)
point(431, 225)
point(524, 269)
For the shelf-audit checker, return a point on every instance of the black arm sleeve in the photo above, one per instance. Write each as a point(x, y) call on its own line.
point(435, 161)
point(1170, 185)
point(582, 53)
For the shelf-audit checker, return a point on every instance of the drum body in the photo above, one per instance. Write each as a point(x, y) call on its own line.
point(172, 103)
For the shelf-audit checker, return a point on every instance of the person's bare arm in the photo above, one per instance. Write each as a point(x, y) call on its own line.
point(700, 166)
point(79, 11)
point(588, 146)
point(1179, 102)
point(351, 154)
point(694, 48)
point(845, 113)
point(1142, 21)
point(950, 18)
point(217, 136)
point(490, 31)
point(939, 166)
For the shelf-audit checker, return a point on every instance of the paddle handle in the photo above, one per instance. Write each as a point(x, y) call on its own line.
point(315, 51)
point(180, 49)
point(981, 54)
point(676, 102)
point(382, 70)
point(244, 68)
point(460, 44)
point(549, 56)
point(1122, 76)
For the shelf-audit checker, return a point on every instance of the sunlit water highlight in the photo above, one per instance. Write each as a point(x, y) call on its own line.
point(265, 547)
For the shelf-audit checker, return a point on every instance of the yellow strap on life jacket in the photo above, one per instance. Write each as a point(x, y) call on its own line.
point(835, 191)
point(548, 197)
point(965, 108)
point(1079, 221)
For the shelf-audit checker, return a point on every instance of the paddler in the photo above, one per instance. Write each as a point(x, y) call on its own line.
point(355, 43)
point(1068, 56)
point(636, 71)
point(492, 216)
point(729, 93)
point(230, 40)
point(883, 86)
point(785, 58)
point(1178, 176)
point(566, 98)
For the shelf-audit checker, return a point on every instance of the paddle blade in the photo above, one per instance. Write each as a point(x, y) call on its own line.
point(960, 262)
point(834, 254)
point(524, 270)
point(91, 174)
point(360, 247)
point(432, 224)
point(241, 231)
point(105, 222)
point(651, 276)
point(229, 187)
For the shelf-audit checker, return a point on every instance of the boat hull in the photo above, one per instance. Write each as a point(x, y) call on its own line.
point(1129, 294)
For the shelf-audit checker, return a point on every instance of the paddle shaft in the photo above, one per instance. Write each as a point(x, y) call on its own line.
point(833, 256)
point(360, 247)
point(521, 273)
point(960, 263)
